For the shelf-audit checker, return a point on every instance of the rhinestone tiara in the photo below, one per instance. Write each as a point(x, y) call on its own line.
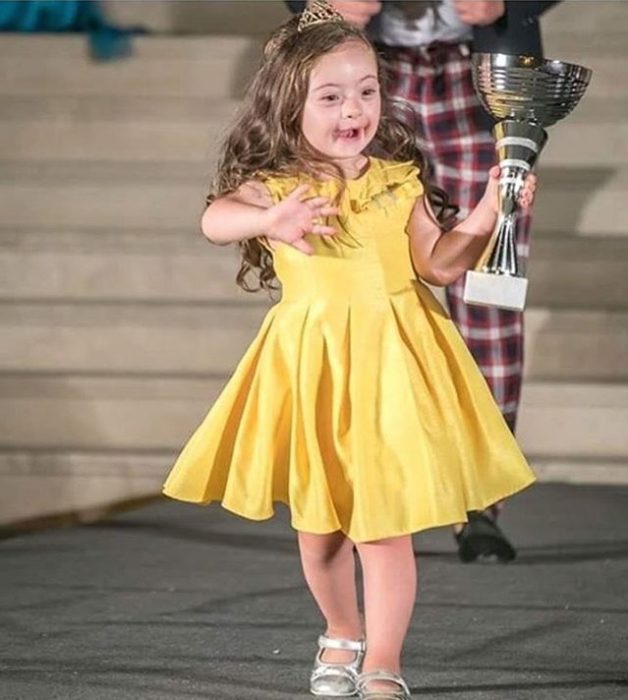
point(318, 12)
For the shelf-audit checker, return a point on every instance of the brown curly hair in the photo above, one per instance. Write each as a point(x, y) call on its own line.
point(267, 138)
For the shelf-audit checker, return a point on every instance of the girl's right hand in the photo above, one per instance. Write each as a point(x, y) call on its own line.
point(291, 219)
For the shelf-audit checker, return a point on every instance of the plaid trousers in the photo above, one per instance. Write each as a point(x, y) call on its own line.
point(436, 82)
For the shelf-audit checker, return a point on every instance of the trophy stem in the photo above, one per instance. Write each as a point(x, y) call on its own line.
point(503, 259)
point(518, 145)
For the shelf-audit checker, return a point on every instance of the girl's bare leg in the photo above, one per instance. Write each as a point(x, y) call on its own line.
point(329, 566)
point(390, 586)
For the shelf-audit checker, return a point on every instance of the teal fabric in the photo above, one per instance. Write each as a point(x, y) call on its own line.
point(105, 41)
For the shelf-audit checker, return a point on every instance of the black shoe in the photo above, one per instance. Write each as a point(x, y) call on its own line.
point(481, 538)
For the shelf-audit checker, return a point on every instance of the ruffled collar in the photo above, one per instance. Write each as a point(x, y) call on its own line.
point(381, 179)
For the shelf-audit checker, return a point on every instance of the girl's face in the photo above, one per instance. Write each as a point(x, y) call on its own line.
point(343, 106)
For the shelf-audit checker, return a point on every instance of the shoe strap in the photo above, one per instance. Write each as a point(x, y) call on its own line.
point(366, 678)
point(335, 670)
point(356, 645)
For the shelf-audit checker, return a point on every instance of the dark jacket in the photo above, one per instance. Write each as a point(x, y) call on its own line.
point(516, 32)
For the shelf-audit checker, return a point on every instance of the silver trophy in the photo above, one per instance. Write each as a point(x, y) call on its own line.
point(524, 94)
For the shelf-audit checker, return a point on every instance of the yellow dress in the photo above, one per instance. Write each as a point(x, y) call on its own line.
point(358, 403)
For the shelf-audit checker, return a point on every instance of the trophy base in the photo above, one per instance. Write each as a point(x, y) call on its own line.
point(488, 289)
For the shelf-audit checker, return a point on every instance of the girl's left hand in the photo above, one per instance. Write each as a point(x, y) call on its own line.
point(526, 196)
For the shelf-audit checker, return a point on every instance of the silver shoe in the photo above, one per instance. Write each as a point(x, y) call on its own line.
point(365, 679)
point(334, 679)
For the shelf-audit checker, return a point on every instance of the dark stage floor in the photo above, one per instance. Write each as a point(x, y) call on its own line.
point(177, 602)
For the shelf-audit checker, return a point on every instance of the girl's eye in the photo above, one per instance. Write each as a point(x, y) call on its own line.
point(329, 98)
point(369, 92)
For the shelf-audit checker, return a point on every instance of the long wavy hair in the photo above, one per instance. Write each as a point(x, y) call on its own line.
point(266, 137)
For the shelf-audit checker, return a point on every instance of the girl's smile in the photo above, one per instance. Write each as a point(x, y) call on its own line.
point(349, 135)
point(342, 108)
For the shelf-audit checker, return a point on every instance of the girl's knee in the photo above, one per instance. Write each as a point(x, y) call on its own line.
point(389, 549)
point(321, 549)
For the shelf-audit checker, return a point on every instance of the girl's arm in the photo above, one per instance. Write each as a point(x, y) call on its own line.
point(237, 216)
point(249, 212)
point(441, 258)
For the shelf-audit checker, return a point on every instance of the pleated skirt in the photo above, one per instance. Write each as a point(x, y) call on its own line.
point(370, 418)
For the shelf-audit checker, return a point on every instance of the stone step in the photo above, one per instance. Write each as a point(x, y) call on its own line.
point(146, 413)
point(586, 420)
point(118, 129)
point(41, 484)
point(126, 338)
point(112, 195)
point(100, 413)
point(95, 264)
point(586, 201)
point(588, 17)
point(581, 471)
point(218, 67)
point(190, 110)
point(593, 136)
point(249, 17)
point(89, 482)
point(164, 265)
point(208, 338)
point(191, 129)
point(582, 47)
point(576, 345)
point(179, 66)
point(577, 272)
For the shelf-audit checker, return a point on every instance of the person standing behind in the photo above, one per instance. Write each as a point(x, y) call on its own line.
point(427, 45)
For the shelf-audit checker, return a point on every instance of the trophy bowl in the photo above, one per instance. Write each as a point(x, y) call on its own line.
point(524, 94)
point(526, 88)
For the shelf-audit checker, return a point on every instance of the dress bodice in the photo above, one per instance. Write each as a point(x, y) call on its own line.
point(369, 257)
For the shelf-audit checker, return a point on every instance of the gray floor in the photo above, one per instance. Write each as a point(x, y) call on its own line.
point(180, 602)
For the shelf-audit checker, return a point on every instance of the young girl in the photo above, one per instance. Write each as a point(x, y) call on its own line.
point(357, 404)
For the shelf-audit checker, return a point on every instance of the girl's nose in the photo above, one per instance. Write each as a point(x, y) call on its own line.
point(351, 109)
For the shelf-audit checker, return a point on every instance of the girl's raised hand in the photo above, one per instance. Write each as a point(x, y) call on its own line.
point(291, 219)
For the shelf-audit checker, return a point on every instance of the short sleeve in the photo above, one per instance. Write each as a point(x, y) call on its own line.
point(403, 179)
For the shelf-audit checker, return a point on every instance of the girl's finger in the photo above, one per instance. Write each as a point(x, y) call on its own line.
point(316, 202)
point(328, 211)
point(321, 230)
point(303, 246)
point(298, 192)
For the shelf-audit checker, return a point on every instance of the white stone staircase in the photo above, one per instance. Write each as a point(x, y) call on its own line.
point(120, 324)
